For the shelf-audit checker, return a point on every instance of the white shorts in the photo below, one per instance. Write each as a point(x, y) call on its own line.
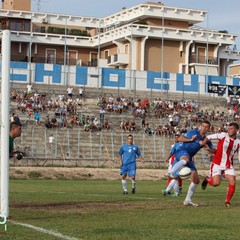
point(218, 170)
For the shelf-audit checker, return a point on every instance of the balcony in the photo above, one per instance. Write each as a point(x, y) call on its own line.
point(60, 61)
point(118, 59)
point(203, 60)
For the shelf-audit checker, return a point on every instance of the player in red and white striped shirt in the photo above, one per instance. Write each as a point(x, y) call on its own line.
point(222, 162)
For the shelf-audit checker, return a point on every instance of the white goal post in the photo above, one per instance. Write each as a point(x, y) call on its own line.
point(5, 93)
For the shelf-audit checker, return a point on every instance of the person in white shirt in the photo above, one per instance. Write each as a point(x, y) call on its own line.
point(80, 92)
point(69, 91)
point(29, 89)
point(51, 141)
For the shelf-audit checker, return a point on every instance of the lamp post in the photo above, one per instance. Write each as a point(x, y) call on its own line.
point(206, 82)
point(131, 57)
point(162, 61)
point(99, 54)
point(65, 52)
point(30, 52)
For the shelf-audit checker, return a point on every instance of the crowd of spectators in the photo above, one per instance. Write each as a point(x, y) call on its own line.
point(156, 117)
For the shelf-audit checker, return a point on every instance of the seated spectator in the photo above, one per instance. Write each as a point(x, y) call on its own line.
point(132, 126)
point(71, 120)
point(12, 117)
point(122, 125)
point(111, 99)
point(47, 122)
point(159, 130)
point(106, 124)
point(14, 94)
point(54, 122)
point(86, 127)
point(77, 121)
point(147, 129)
point(64, 122)
point(96, 123)
point(29, 113)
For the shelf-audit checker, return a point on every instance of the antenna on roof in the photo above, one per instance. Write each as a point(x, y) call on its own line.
point(39, 4)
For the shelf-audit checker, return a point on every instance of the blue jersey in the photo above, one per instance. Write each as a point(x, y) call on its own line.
point(191, 147)
point(129, 153)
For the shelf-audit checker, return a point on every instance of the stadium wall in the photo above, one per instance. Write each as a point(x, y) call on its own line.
point(111, 78)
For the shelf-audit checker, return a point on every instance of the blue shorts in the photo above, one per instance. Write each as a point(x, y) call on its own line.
point(129, 170)
point(178, 155)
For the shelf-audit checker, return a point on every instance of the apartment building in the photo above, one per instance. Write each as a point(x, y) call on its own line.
point(148, 37)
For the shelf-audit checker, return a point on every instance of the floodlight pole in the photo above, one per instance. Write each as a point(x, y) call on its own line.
point(6, 46)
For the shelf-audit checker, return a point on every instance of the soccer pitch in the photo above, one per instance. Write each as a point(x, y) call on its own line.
point(84, 209)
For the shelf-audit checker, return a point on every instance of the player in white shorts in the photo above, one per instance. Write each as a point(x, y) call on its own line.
point(222, 162)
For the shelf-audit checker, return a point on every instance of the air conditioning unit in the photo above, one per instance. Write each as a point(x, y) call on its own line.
point(44, 20)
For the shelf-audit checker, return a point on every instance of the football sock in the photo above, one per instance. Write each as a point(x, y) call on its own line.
point(170, 185)
point(133, 184)
point(230, 192)
point(168, 181)
point(124, 185)
point(177, 166)
point(191, 189)
point(176, 187)
point(180, 182)
point(210, 181)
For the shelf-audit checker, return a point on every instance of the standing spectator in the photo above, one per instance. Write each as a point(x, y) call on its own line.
point(102, 113)
point(51, 141)
point(127, 154)
point(80, 92)
point(228, 145)
point(69, 91)
point(29, 89)
point(37, 117)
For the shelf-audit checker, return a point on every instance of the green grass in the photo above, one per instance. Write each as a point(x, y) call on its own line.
point(98, 210)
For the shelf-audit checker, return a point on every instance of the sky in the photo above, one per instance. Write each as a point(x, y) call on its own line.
point(222, 15)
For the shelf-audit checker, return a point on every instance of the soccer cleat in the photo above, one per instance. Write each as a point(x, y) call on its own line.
point(180, 192)
point(125, 192)
point(204, 183)
point(133, 191)
point(190, 203)
point(227, 204)
point(165, 193)
point(175, 195)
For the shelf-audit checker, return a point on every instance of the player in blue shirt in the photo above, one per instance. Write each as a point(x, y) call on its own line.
point(188, 145)
point(128, 153)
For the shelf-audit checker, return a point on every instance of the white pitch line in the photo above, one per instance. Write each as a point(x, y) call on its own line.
point(42, 230)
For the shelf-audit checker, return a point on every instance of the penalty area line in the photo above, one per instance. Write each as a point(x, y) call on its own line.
point(42, 230)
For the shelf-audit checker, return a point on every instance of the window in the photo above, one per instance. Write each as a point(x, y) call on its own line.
point(42, 29)
point(18, 26)
point(12, 25)
point(27, 27)
point(106, 54)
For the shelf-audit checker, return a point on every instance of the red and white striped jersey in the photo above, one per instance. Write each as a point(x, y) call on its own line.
point(226, 148)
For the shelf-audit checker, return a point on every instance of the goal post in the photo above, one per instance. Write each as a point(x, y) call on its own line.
point(5, 100)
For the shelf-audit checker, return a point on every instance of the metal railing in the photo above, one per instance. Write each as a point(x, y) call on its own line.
point(95, 149)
